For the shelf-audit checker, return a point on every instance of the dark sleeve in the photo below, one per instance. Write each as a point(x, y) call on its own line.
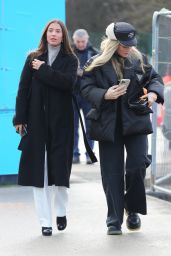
point(60, 80)
point(154, 82)
point(24, 88)
point(90, 91)
point(156, 85)
point(96, 51)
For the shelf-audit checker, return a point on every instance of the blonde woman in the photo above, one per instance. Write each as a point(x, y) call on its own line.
point(114, 83)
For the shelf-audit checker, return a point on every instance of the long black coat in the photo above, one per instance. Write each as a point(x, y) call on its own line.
point(104, 113)
point(44, 103)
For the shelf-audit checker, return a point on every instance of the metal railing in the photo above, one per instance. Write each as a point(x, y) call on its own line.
point(160, 143)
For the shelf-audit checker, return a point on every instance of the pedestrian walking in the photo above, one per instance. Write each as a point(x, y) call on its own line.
point(84, 51)
point(45, 120)
point(114, 83)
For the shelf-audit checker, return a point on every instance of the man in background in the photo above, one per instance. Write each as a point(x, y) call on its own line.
point(84, 51)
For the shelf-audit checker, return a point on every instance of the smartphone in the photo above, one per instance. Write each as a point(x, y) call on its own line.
point(124, 82)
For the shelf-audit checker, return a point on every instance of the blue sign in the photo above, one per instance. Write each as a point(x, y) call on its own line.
point(21, 26)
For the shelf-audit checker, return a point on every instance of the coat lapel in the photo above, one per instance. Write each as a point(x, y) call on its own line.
point(110, 74)
point(43, 57)
point(128, 69)
point(59, 61)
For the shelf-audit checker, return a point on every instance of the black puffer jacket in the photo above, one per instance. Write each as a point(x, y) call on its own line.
point(104, 112)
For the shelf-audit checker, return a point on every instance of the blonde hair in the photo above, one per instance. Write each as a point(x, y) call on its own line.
point(108, 48)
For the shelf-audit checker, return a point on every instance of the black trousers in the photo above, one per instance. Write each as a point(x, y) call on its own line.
point(124, 185)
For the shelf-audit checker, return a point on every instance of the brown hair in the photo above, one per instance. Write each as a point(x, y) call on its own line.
point(42, 48)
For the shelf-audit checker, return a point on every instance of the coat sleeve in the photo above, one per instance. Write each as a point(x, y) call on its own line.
point(60, 80)
point(156, 85)
point(90, 90)
point(154, 82)
point(24, 89)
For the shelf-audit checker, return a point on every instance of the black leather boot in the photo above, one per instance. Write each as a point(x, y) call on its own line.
point(46, 231)
point(133, 221)
point(61, 222)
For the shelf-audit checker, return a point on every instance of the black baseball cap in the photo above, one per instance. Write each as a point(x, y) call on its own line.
point(123, 32)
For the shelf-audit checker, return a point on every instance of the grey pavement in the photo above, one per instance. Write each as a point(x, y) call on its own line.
point(86, 232)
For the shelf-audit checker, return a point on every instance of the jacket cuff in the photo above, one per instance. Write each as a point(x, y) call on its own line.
point(18, 120)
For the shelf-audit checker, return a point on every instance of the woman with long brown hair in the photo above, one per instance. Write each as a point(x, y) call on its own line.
point(44, 119)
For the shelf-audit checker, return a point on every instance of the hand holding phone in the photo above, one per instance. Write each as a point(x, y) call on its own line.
point(124, 83)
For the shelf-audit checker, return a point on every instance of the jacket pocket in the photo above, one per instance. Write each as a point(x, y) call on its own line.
point(102, 124)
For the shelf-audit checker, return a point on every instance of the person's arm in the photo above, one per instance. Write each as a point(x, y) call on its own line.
point(23, 94)
point(99, 96)
point(60, 80)
point(90, 91)
point(153, 83)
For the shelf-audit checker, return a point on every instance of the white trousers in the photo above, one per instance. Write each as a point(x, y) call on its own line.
point(43, 198)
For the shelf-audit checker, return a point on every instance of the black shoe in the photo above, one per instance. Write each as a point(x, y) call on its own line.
point(88, 161)
point(133, 221)
point(112, 230)
point(76, 160)
point(61, 222)
point(46, 231)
